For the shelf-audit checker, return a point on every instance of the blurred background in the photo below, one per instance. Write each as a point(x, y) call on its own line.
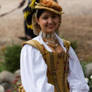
point(76, 27)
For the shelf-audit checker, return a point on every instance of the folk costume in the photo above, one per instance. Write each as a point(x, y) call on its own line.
point(44, 69)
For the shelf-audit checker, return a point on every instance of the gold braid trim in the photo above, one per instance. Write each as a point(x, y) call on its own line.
point(67, 44)
point(35, 44)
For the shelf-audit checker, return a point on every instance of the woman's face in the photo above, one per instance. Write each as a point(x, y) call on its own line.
point(49, 21)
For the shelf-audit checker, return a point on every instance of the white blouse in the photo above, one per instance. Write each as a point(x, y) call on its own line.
point(33, 70)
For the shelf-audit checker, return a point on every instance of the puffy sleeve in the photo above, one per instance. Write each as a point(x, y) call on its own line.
point(33, 71)
point(76, 78)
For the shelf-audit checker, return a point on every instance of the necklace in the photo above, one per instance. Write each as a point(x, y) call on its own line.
point(53, 45)
point(50, 40)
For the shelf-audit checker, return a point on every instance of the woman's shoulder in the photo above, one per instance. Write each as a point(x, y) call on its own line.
point(66, 42)
point(33, 43)
point(29, 42)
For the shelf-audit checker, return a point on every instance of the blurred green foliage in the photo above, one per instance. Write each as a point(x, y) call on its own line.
point(74, 45)
point(12, 58)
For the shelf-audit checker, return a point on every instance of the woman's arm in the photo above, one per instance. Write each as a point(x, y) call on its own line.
point(76, 79)
point(33, 71)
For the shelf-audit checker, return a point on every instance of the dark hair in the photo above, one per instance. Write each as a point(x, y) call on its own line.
point(39, 12)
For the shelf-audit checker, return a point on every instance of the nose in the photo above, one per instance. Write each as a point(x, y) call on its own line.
point(50, 20)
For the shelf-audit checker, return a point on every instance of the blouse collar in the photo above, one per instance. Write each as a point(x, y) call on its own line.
point(46, 46)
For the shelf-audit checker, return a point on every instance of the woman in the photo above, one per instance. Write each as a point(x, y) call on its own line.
point(48, 63)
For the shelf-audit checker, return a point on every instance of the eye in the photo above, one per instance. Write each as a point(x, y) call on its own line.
point(45, 17)
point(54, 16)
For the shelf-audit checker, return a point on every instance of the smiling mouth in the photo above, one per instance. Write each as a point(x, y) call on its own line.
point(51, 26)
